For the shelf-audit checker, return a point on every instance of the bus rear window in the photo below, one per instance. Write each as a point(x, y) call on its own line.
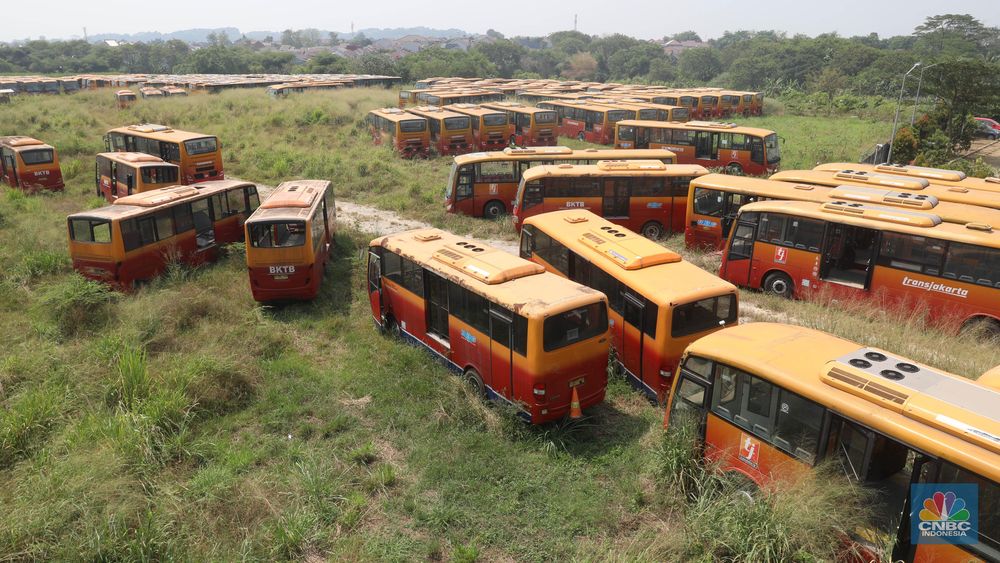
point(456, 123)
point(616, 115)
point(495, 119)
point(159, 174)
point(704, 314)
point(38, 156)
point(575, 325)
point(413, 126)
point(201, 146)
point(773, 152)
point(544, 117)
point(90, 230)
point(681, 114)
point(278, 234)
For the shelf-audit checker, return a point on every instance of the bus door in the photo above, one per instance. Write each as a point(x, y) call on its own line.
point(10, 168)
point(616, 198)
point(757, 150)
point(848, 255)
point(706, 145)
point(501, 352)
point(692, 391)
point(732, 207)
point(465, 190)
point(375, 285)
point(739, 257)
point(630, 347)
point(204, 228)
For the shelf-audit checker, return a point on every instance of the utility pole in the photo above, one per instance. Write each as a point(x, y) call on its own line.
point(916, 100)
point(574, 22)
point(84, 33)
point(892, 140)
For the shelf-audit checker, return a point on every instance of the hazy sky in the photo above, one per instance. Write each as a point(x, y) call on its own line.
point(646, 19)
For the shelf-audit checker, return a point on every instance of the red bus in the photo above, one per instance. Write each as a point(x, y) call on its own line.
point(643, 195)
point(740, 150)
point(892, 256)
point(29, 164)
point(467, 303)
point(587, 121)
point(289, 238)
point(118, 174)
point(199, 156)
point(134, 239)
point(533, 127)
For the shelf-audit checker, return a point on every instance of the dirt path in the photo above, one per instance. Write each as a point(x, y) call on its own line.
point(989, 151)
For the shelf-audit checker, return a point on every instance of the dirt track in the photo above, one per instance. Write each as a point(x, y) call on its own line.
point(989, 151)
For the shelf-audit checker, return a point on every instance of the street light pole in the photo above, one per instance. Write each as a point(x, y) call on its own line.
point(892, 140)
point(916, 100)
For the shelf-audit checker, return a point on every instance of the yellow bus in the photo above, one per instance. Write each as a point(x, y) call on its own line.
point(484, 184)
point(938, 176)
point(449, 97)
point(649, 111)
point(740, 150)
point(29, 164)
point(119, 174)
point(533, 127)
point(491, 128)
point(514, 332)
point(199, 156)
point(771, 401)
point(588, 121)
point(451, 132)
point(406, 133)
point(658, 302)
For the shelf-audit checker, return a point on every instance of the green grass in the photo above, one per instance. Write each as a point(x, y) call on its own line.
point(186, 421)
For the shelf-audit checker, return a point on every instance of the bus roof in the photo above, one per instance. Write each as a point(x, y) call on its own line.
point(141, 203)
point(698, 126)
point(136, 159)
point(160, 132)
point(883, 218)
point(614, 168)
point(294, 200)
point(434, 112)
point(660, 274)
point(929, 409)
point(959, 194)
point(560, 153)
point(19, 143)
point(513, 106)
point(939, 176)
point(508, 280)
point(395, 114)
point(472, 109)
point(591, 105)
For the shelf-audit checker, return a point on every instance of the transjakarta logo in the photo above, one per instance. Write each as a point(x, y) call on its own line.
point(944, 513)
point(281, 269)
point(935, 287)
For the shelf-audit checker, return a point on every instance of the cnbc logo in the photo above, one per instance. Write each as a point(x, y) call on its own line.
point(944, 513)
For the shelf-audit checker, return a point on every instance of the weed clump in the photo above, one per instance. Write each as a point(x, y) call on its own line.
point(76, 303)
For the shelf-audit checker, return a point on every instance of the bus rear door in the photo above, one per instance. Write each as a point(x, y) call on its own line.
point(616, 198)
point(706, 145)
point(501, 353)
point(633, 311)
point(739, 256)
point(375, 286)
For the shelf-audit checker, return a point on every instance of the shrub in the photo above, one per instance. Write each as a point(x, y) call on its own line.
point(76, 303)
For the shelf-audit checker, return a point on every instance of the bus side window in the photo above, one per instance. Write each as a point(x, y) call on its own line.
point(527, 241)
point(219, 208)
point(728, 392)
point(252, 198)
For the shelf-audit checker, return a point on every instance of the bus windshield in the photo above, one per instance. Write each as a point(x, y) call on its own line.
point(562, 329)
point(278, 234)
point(456, 123)
point(702, 315)
point(412, 125)
point(201, 146)
point(544, 117)
point(626, 133)
point(38, 156)
point(493, 119)
point(773, 151)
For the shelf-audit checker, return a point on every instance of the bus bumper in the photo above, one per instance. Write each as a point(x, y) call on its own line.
point(299, 286)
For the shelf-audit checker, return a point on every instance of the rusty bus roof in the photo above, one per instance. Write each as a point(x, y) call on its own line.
point(472, 109)
point(160, 132)
point(697, 126)
point(19, 143)
point(396, 114)
point(136, 159)
point(291, 201)
point(434, 112)
point(564, 153)
point(514, 106)
point(606, 168)
point(146, 202)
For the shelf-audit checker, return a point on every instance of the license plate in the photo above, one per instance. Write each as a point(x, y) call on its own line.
point(576, 382)
point(280, 277)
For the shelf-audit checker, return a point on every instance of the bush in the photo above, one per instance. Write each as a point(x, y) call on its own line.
point(76, 303)
point(905, 146)
point(24, 423)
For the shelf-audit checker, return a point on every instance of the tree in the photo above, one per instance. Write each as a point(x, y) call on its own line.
point(581, 66)
point(494, 34)
point(326, 63)
point(700, 65)
point(506, 55)
point(569, 42)
point(375, 63)
point(663, 70)
point(685, 36)
point(963, 87)
point(956, 35)
point(634, 62)
point(359, 40)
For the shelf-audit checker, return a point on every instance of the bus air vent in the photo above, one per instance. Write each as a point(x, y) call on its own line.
point(631, 165)
point(844, 207)
point(575, 219)
point(627, 249)
point(992, 180)
point(804, 187)
point(917, 201)
point(486, 264)
point(958, 190)
point(922, 172)
point(427, 236)
point(979, 227)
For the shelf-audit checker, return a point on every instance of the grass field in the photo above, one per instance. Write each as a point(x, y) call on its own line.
point(185, 421)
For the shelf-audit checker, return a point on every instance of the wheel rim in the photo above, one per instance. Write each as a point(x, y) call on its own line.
point(581, 137)
point(779, 286)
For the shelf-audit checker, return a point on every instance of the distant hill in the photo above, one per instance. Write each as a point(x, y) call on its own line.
point(200, 35)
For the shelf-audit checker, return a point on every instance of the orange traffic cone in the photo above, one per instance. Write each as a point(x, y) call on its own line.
point(574, 406)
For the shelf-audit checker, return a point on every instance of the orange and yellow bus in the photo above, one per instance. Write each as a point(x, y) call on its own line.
point(119, 174)
point(406, 133)
point(587, 121)
point(936, 176)
point(491, 128)
point(740, 150)
point(956, 194)
point(199, 156)
point(769, 402)
point(533, 127)
point(484, 184)
point(849, 251)
point(134, 239)
point(458, 96)
point(515, 332)
point(451, 133)
point(658, 302)
point(29, 164)
point(643, 195)
point(409, 97)
point(289, 238)
point(715, 199)
point(649, 111)
point(124, 98)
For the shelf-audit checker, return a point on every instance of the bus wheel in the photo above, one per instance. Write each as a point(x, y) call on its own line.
point(494, 209)
point(734, 169)
point(779, 284)
point(580, 136)
point(652, 230)
point(391, 327)
point(512, 141)
point(986, 328)
point(475, 382)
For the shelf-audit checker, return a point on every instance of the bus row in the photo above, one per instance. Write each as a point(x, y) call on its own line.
point(194, 82)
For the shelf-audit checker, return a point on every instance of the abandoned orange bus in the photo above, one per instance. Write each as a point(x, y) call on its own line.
point(289, 238)
point(889, 256)
point(449, 97)
point(533, 127)
point(715, 199)
point(769, 402)
point(516, 333)
point(29, 164)
point(451, 133)
point(587, 121)
point(642, 195)
point(658, 302)
point(936, 176)
point(740, 150)
point(119, 174)
point(484, 184)
point(199, 156)
point(406, 133)
point(491, 128)
point(134, 239)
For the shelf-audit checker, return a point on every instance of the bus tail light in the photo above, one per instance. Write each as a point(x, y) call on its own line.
point(539, 391)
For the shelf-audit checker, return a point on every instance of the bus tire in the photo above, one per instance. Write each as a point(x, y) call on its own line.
point(652, 230)
point(494, 209)
point(746, 113)
point(391, 327)
point(734, 169)
point(580, 136)
point(472, 378)
point(512, 141)
point(984, 327)
point(778, 283)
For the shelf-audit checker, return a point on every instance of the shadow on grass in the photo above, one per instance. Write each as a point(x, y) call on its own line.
point(336, 292)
